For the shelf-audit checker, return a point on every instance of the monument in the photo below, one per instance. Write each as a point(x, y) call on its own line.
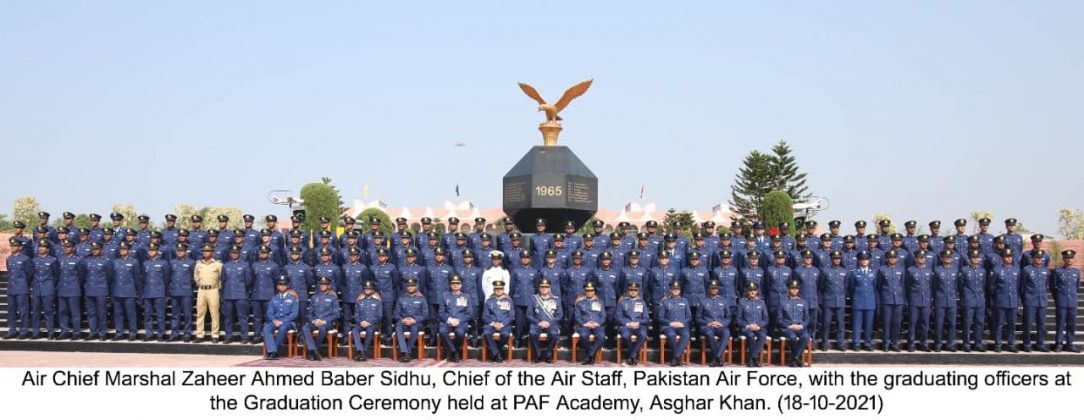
point(550, 181)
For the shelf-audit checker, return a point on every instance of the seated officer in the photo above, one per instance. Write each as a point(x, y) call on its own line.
point(456, 311)
point(281, 314)
point(591, 316)
point(411, 312)
point(544, 315)
point(793, 322)
point(715, 322)
point(632, 319)
point(368, 312)
point(324, 310)
point(497, 316)
point(674, 315)
point(753, 319)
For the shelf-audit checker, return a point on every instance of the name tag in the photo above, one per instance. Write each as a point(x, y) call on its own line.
point(461, 301)
point(504, 306)
point(638, 307)
point(596, 306)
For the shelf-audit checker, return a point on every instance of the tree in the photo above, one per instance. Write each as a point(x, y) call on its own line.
point(321, 200)
point(679, 222)
point(210, 217)
point(342, 204)
point(82, 220)
point(979, 214)
point(588, 228)
point(1071, 223)
point(5, 224)
point(784, 172)
point(385, 221)
point(776, 209)
point(1055, 253)
point(878, 217)
point(184, 213)
point(754, 180)
point(26, 210)
point(129, 212)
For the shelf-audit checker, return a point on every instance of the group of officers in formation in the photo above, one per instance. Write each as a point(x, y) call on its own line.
point(540, 289)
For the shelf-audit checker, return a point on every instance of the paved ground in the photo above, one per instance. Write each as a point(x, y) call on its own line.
point(114, 360)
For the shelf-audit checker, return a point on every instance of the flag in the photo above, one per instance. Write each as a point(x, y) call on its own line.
point(641, 191)
point(457, 190)
point(365, 191)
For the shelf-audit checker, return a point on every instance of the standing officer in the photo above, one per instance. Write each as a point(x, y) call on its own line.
point(910, 241)
point(661, 277)
point(809, 277)
point(591, 317)
point(1036, 247)
point(43, 290)
point(43, 224)
point(252, 235)
point(411, 269)
point(197, 236)
point(96, 289)
point(714, 321)
point(471, 275)
point(832, 285)
point(727, 278)
point(306, 240)
point(986, 240)
point(753, 320)
point(127, 286)
point(556, 272)
point(752, 273)
point(862, 287)
point(545, 316)
point(919, 295)
point(69, 290)
point(794, 321)
point(632, 318)
point(448, 241)
point(973, 301)
point(523, 279)
point(479, 228)
point(876, 254)
point(937, 243)
point(961, 234)
point(143, 234)
point(95, 230)
point(946, 284)
point(169, 233)
point(1066, 288)
point(265, 274)
point(156, 278)
point(20, 276)
point(355, 274)
point(327, 268)
point(778, 277)
point(504, 239)
point(369, 312)
point(541, 241)
point(860, 235)
point(834, 236)
point(572, 240)
point(884, 237)
point(606, 279)
point(436, 286)
point(890, 287)
point(324, 310)
point(694, 282)
point(1004, 284)
point(1034, 282)
point(674, 316)
point(281, 314)
point(1013, 239)
point(410, 316)
point(456, 313)
point(301, 280)
point(208, 276)
point(181, 282)
point(497, 319)
point(237, 282)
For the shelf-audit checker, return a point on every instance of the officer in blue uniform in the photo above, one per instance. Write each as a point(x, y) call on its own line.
point(386, 279)
point(95, 230)
point(237, 283)
point(778, 278)
point(714, 321)
point(884, 237)
point(607, 279)
point(752, 273)
point(324, 311)
point(892, 297)
point(910, 240)
point(504, 239)
point(832, 286)
point(281, 313)
point(632, 318)
point(973, 301)
point(834, 236)
point(156, 279)
point(1034, 284)
point(127, 286)
point(327, 268)
point(69, 291)
point(265, 273)
point(1013, 240)
point(143, 234)
point(694, 283)
point(82, 245)
point(354, 276)
point(986, 240)
point(591, 321)
point(937, 243)
point(369, 313)
point(862, 287)
point(99, 274)
point(860, 235)
point(50, 232)
point(616, 250)
point(301, 280)
point(677, 256)
point(753, 321)
point(409, 268)
point(251, 234)
point(456, 313)
point(306, 239)
point(675, 316)
point(497, 318)
point(572, 240)
point(794, 320)
point(545, 316)
point(475, 238)
point(540, 241)
point(181, 283)
point(197, 236)
point(20, 270)
point(411, 313)
point(557, 275)
point(1065, 288)
point(850, 254)
point(919, 286)
point(523, 279)
point(946, 286)
point(661, 277)
point(727, 277)
point(559, 249)
point(348, 230)
point(763, 242)
point(876, 254)
point(1004, 287)
point(1036, 247)
point(808, 277)
point(811, 238)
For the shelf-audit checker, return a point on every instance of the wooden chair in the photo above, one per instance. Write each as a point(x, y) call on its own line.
point(765, 353)
point(575, 344)
point(291, 346)
point(406, 334)
point(508, 347)
point(662, 350)
point(632, 338)
point(440, 347)
point(332, 339)
point(704, 348)
point(807, 353)
point(376, 343)
point(530, 348)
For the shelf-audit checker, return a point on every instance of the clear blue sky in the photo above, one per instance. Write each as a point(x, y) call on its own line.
point(923, 109)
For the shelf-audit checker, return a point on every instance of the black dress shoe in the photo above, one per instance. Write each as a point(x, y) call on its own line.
point(273, 356)
point(1041, 348)
point(548, 360)
point(358, 357)
point(52, 337)
point(1013, 349)
point(118, 337)
point(147, 338)
point(187, 339)
point(997, 349)
point(675, 362)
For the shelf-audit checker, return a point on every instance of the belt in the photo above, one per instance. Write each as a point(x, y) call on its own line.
point(207, 287)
